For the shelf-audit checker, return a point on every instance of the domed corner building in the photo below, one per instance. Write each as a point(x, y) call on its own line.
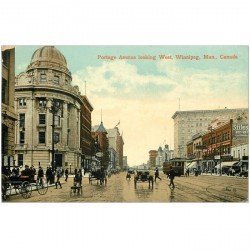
point(47, 83)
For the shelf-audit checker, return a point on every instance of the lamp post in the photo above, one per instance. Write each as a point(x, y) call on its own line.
point(55, 107)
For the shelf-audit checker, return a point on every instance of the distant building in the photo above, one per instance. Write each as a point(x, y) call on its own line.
point(163, 155)
point(159, 158)
point(189, 123)
point(112, 158)
point(8, 115)
point(101, 135)
point(116, 142)
point(190, 152)
point(197, 145)
point(85, 132)
point(152, 159)
point(167, 153)
point(125, 162)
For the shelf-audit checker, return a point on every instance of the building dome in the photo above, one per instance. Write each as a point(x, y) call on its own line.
point(48, 57)
point(50, 54)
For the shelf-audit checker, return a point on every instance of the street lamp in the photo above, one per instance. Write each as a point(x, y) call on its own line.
point(55, 107)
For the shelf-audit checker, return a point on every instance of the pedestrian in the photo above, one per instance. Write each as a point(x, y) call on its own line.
point(187, 172)
point(66, 174)
point(40, 175)
point(33, 172)
point(171, 176)
point(75, 171)
point(58, 176)
point(14, 172)
point(48, 175)
point(157, 174)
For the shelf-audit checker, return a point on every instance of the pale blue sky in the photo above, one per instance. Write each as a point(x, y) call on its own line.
point(79, 57)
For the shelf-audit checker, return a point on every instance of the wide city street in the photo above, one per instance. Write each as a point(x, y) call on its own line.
point(204, 188)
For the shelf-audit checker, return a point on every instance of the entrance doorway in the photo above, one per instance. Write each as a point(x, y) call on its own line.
point(58, 160)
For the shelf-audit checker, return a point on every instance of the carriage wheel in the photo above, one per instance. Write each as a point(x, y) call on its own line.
point(26, 190)
point(42, 187)
point(7, 192)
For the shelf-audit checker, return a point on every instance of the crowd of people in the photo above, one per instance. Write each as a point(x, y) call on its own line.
point(51, 176)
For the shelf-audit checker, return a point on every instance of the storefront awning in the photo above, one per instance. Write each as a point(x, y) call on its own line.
point(192, 165)
point(226, 164)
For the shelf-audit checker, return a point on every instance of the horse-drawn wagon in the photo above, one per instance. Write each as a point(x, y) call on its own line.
point(143, 175)
point(99, 175)
point(22, 184)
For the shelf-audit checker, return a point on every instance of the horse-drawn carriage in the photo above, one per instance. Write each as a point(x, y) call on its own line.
point(22, 184)
point(143, 175)
point(99, 174)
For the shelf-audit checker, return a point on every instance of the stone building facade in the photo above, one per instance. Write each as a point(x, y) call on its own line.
point(189, 123)
point(47, 82)
point(112, 158)
point(125, 162)
point(8, 115)
point(159, 158)
point(116, 142)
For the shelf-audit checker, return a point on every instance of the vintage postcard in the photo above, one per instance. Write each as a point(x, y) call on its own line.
point(124, 123)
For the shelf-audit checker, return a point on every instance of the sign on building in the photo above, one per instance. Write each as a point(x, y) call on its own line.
point(240, 130)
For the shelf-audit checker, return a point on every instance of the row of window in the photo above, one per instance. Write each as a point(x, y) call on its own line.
point(41, 120)
point(41, 103)
point(56, 78)
point(222, 150)
point(234, 153)
point(41, 137)
point(219, 138)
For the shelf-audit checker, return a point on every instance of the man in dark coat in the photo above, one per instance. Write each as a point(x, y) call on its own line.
point(157, 174)
point(66, 174)
point(171, 176)
point(40, 175)
point(58, 176)
point(48, 174)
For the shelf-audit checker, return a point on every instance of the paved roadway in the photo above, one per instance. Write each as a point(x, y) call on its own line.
point(204, 188)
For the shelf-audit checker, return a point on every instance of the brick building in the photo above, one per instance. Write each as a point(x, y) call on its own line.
point(85, 132)
point(152, 159)
point(218, 141)
point(100, 134)
point(190, 151)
